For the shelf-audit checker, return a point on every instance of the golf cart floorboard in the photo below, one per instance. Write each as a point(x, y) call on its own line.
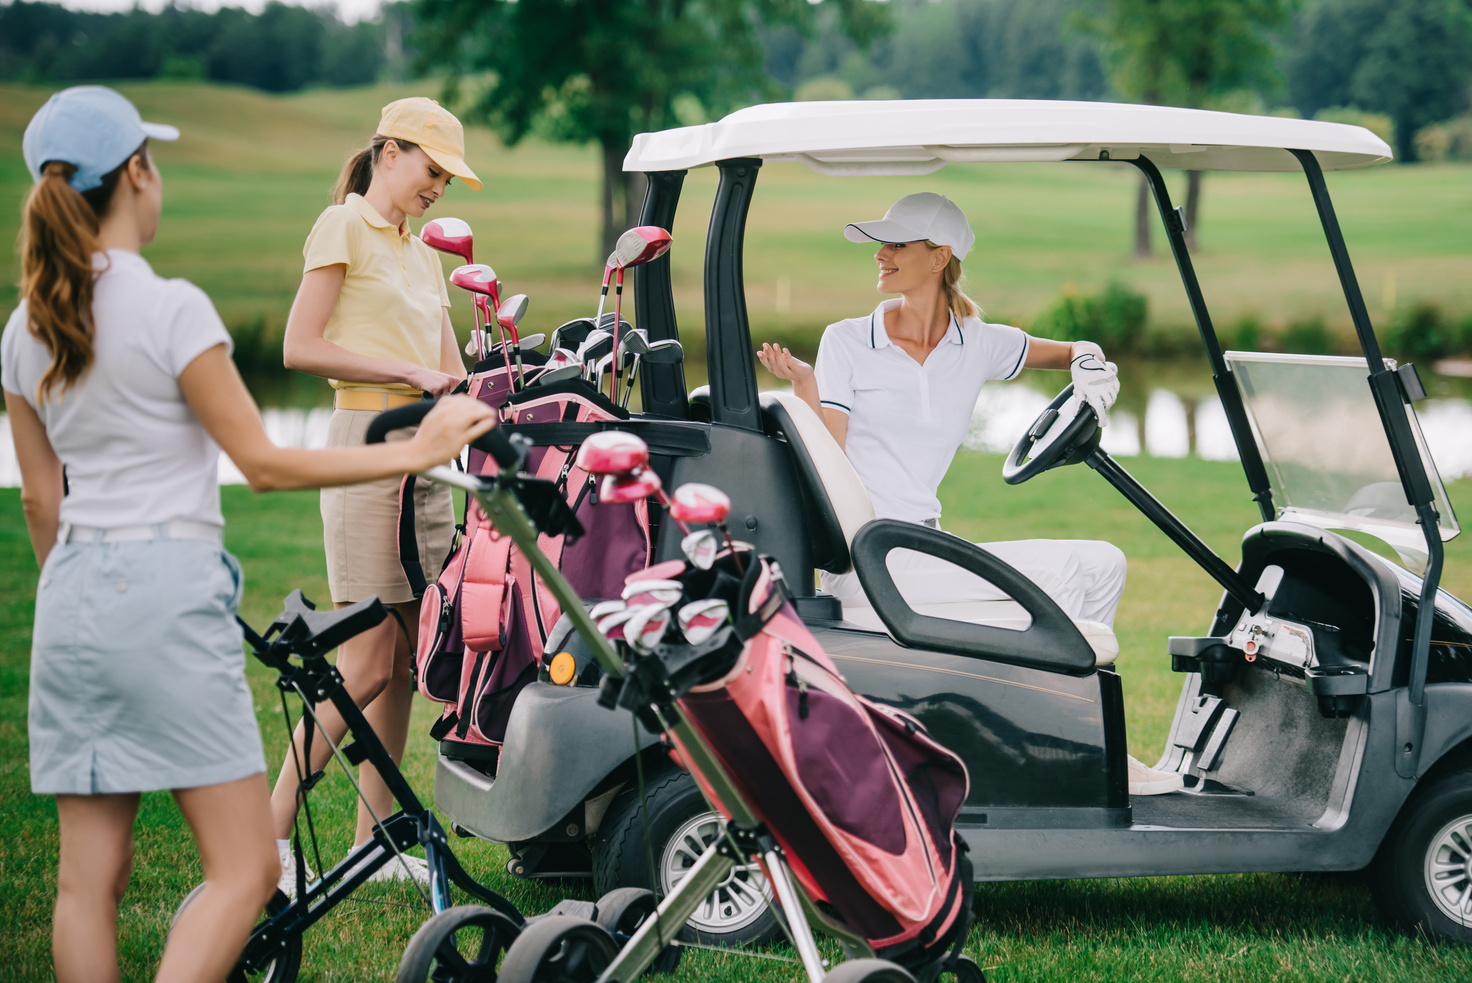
point(1190, 810)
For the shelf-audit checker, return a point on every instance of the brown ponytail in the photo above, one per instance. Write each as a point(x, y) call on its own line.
point(357, 173)
point(59, 229)
point(951, 277)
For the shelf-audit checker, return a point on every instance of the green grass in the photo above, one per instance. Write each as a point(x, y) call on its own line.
point(1234, 927)
point(253, 170)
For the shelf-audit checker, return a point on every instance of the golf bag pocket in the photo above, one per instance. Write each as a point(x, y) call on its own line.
point(437, 664)
point(483, 594)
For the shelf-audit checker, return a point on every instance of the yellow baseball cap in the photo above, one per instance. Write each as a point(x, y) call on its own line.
point(435, 129)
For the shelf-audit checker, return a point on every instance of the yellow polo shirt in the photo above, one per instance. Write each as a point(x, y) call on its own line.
point(393, 297)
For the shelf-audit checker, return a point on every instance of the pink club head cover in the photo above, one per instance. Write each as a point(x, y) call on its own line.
point(449, 235)
point(612, 452)
point(478, 278)
point(638, 246)
point(603, 609)
point(700, 548)
point(620, 489)
point(696, 502)
point(700, 619)
point(640, 592)
point(612, 625)
point(647, 627)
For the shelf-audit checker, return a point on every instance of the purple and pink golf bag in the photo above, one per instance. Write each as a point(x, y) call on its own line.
point(484, 619)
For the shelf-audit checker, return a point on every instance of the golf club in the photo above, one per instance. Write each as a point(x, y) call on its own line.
point(699, 620)
point(701, 503)
point(641, 592)
point(645, 629)
point(635, 247)
point(665, 352)
point(612, 452)
point(508, 315)
point(573, 333)
point(598, 344)
point(631, 346)
point(531, 342)
point(480, 280)
point(449, 235)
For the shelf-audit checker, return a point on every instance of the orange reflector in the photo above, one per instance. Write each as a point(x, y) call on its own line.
point(563, 668)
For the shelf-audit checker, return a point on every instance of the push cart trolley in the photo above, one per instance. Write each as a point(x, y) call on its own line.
point(274, 951)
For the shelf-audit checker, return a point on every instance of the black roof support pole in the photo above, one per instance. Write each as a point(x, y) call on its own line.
point(728, 354)
point(1226, 386)
point(661, 387)
point(1410, 711)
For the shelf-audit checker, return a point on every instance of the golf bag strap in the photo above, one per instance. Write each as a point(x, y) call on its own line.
point(668, 438)
point(409, 540)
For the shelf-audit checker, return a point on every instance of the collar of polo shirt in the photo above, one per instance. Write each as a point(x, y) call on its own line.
point(370, 214)
point(879, 336)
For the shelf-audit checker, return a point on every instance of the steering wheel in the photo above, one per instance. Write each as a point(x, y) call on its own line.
point(1074, 440)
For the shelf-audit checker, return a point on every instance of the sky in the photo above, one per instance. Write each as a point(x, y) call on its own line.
point(349, 10)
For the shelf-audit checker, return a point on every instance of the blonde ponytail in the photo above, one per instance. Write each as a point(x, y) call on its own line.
point(961, 305)
point(59, 230)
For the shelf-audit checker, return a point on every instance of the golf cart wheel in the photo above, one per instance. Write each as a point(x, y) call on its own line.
point(283, 969)
point(868, 971)
point(459, 945)
point(1422, 877)
point(681, 826)
point(621, 912)
point(558, 949)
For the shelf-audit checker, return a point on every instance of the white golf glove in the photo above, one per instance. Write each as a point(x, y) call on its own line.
point(1095, 382)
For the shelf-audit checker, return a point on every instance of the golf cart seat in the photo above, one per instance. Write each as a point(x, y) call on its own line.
point(842, 507)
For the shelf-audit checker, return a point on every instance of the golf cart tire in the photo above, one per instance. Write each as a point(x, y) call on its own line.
point(621, 855)
point(1436, 822)
point(868, 971)
point(434, 953)
point(286, 966)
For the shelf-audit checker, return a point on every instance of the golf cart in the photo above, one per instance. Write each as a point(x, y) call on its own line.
point(1325, 716)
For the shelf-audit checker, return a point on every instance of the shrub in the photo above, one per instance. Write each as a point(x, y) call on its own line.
point(1115, 319)
point(1423, 334)
point(1307, 337)
point(825, 88)
point(257, 348)
point(1451, 140)
point(1245, 335)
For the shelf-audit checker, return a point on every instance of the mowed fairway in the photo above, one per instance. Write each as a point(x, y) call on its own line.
point(1240, 927)
point(252, 172)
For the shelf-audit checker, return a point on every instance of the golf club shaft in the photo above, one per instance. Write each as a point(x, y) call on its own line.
point(618, 303)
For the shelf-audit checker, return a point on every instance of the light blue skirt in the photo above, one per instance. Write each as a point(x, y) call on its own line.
point(137, 671)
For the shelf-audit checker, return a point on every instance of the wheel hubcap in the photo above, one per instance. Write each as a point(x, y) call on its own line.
point(736, 902)
point(1448, 870)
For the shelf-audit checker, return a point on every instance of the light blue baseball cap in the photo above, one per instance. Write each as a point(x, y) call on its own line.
point(90, 127)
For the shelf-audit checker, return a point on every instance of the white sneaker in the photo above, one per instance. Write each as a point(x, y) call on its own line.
point(1148, 781)
point(287, 884)
point(394, 870)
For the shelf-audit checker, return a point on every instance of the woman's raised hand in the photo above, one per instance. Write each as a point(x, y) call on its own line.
point(454, 422)
point(782, 363)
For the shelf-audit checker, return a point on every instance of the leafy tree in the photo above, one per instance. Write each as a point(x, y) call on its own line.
point(1409, 59)
point(603, 70)
point(1187, 53)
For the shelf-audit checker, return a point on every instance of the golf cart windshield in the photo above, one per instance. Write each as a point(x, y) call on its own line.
point(1320, 435)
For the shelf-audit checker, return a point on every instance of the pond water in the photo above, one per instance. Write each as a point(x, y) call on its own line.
point(1165, 410)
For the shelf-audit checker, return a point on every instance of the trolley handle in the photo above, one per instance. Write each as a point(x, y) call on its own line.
point(493, 442)
point(301, 629)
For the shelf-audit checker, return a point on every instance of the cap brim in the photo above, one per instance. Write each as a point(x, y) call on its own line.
point(880, 230)
point(455, 165)
point(160, 131)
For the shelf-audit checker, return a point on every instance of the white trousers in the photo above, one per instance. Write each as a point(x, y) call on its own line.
point(1085, 577)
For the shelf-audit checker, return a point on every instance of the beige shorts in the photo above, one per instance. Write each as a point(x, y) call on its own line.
point(360, 525)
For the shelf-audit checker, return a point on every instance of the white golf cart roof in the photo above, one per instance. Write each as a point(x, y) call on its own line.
point(912, 137)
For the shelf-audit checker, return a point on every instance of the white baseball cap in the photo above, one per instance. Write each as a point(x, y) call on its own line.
point(916, 218)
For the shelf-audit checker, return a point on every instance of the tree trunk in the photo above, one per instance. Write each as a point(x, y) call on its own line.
point(1405, 141)
point(1193, 200)
point(635, 186)
point(1142, 220)
point(623, 196)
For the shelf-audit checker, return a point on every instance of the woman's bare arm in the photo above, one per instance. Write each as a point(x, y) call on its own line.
point(305, 350)
point(40, 475)
point(785, 365)
point(1043, 353)
point(217, 395)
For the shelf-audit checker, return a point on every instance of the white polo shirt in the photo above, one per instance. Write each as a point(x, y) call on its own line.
point(906, 420)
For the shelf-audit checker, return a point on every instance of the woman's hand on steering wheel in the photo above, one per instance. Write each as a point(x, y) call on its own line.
point(783, 364)
point(454, 422)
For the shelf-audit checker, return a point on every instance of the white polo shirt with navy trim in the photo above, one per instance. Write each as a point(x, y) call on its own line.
point(906, 420)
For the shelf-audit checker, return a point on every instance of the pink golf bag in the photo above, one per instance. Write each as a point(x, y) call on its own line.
point(485, 618)
point(862, 800)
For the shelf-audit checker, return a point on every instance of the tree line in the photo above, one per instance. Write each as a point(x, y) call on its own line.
point(281, 49)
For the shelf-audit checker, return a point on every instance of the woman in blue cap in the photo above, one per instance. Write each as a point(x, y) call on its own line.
point(897, 388)
point(124, 379)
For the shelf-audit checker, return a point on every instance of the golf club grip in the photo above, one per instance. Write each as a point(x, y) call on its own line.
point(493, 442)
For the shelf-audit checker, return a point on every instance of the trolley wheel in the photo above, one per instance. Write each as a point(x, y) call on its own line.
point(283, 969)
point(459, 945)
point(558, 949)
point(681, 825)
point(967, 971)
point(621, 912)
point(868, 971)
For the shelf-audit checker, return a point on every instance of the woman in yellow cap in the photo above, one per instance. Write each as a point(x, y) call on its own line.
point(371, 317)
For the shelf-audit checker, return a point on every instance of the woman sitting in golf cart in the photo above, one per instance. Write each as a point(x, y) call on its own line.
point(897, 388)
